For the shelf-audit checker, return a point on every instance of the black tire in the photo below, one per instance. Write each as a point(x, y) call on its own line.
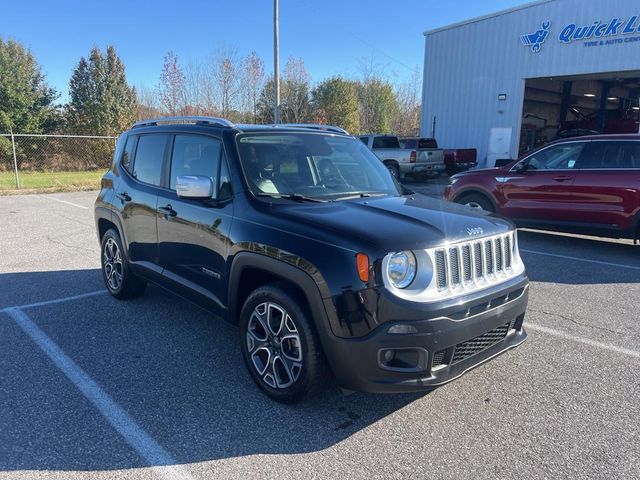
point(476, 200)
point(272, 374)
point(118, 277)
point(393, 170)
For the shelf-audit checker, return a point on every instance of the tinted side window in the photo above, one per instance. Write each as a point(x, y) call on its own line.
point(195, 155)
point(558, 157)
point(147, 166)
point(601, 155)
point(127, 155)
point(408, 143)
point(386, 142)
point(364, 140)
point(630, 155)
point(428, 143)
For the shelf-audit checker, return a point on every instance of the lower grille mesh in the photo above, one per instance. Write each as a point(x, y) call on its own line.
point(466, 349)
point(438, 358)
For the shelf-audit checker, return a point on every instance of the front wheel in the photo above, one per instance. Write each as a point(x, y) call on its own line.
point(279, 345)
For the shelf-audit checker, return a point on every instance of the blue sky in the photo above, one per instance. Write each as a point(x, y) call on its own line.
point(332, 36)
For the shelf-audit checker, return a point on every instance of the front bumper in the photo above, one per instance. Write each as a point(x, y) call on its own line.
point(447, 346)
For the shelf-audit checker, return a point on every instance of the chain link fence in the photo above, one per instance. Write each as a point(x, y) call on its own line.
point(53, 162)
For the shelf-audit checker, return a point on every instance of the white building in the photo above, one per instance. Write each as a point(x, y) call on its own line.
point(508, 82)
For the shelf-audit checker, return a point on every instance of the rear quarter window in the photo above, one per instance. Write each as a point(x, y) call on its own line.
point(147, 166)
point(127, 154)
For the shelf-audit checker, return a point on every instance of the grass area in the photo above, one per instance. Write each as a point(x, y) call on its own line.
point(50, 181)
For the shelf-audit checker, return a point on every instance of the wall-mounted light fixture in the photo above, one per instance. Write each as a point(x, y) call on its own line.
point(502, 97)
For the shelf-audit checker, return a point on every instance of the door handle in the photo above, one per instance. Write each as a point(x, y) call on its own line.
point(168, 211)
point(124, 196)
point(562, 178)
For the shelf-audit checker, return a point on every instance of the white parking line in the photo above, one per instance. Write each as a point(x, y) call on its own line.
point(54, 301)
point(578, 259)
point(586, 341)
point(64, 201)
point(156, 456)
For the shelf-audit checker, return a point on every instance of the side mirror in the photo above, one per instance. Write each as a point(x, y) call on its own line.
point(520, 167)
point(194, 186)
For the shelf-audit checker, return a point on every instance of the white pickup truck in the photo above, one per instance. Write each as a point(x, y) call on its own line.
point(424, 160)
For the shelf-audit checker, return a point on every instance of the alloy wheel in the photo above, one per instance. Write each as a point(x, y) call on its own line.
point(274, 345)
point(112, 264)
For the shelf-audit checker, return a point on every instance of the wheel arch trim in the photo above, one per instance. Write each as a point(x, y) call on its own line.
point(313, 290)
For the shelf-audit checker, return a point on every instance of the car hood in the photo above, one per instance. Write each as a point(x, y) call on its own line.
point(396, 223)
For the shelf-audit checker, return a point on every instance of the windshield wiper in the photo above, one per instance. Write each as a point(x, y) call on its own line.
point(362, 195)
point(291, 196)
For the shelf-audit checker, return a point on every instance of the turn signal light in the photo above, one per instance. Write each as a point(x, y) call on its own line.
point(362, 261)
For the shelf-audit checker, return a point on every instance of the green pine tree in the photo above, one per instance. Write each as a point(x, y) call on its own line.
point(26, 101)
point(101, 101)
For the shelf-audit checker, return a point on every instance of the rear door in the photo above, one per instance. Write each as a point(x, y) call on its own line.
point(608, 185)
point(137, 196)
point(193, 234)
point(543, 192)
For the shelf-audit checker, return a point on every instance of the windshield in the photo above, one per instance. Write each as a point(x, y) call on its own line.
point(313, 166)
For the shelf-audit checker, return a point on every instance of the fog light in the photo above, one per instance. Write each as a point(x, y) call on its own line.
point(403, 359)
point(402, 329)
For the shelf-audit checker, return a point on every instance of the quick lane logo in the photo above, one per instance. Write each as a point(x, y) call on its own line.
point(598, 29)
point(536, 39)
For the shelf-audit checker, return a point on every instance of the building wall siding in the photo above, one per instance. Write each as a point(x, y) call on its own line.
point(467, 66)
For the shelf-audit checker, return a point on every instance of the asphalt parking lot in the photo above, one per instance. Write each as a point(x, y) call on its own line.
point(92, 388)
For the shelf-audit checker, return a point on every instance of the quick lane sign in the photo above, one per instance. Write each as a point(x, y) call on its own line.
point(595, 34)
point(573, 32)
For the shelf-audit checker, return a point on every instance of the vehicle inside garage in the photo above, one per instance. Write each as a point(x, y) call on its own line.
point(571, 106)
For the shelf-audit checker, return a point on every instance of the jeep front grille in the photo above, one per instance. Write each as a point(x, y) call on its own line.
point(468, 264)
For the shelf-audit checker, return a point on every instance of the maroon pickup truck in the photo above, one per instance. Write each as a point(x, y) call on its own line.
point(460, 160)
point(587, 185)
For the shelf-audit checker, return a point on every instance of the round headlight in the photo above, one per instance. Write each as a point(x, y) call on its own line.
point(401, 269)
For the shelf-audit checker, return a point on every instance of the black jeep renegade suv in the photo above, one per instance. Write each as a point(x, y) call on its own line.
point(301, 236)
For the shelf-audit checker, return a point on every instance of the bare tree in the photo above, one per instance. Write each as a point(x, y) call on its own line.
point(408, 95)
point(148, 104)
point(227, 75)
point(171, 87)
point(253, 70)
point(194, 76)
point(296, 106)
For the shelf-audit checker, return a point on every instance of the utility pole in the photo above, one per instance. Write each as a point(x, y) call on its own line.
point(276, 61)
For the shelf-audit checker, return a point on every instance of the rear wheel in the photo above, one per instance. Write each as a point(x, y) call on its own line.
point(393, 170)
point(279, 345)
point(478, 201)
point(117, 276)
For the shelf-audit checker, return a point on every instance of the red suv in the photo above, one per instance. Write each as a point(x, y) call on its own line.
point(585, 185)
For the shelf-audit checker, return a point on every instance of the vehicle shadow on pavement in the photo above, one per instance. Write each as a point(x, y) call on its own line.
point(557, 262)
point(175, 369)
